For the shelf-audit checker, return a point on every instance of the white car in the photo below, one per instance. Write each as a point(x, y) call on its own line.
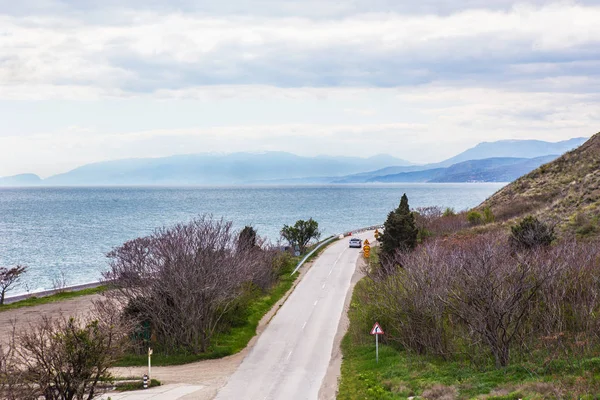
point(355, 242)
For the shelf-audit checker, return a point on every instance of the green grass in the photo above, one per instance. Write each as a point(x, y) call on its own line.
point(125, 387)
point(36, 301)
point(400, 374)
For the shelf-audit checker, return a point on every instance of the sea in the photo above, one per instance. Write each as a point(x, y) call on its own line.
point(63, 233)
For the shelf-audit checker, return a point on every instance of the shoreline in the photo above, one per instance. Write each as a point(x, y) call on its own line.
point(50, 292)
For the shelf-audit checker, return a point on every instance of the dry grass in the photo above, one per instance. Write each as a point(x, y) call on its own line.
point(566, 191)
point(440, 392)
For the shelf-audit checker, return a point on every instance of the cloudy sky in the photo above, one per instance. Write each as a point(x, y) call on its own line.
point(90, 80)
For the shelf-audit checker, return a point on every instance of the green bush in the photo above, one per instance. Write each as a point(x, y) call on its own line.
point(488, 215)
point(474, 218)
point(531, 232)
point(449, 212)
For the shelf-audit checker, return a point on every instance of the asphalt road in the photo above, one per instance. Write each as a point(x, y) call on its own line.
point(290, 359)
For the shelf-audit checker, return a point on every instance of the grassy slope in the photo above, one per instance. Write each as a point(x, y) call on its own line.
point(566, 190)
point(36, 301)
point(399, 374)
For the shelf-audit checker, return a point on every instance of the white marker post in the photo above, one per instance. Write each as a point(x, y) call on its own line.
point(376, 331)
point(149, 364)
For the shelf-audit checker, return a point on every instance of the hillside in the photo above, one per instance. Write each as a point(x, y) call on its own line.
point(497, 169)
point(515, 148)
point(566, 191)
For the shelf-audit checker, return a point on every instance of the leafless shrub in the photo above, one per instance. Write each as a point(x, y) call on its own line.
point(184, 280)
point(59, 282)
point(515, 208)
point(407, 292)
point(570, 300)
point(479, 295)
point(493, 288)
point(434, 221)
point(62, 358)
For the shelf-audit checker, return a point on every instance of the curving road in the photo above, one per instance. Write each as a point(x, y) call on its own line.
point(290, 359)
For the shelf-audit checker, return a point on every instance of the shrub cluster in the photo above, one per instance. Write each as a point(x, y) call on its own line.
point(435, 221)
point(62, 358)
point(188, 282)
point(480, 295)
point(530, 232)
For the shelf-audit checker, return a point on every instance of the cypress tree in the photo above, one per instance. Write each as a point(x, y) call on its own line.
point(400, 230)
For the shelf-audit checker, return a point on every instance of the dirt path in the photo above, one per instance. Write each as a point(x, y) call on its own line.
point(22, 317)
point(329, 387)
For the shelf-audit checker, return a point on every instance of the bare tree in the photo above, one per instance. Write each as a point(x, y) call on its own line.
point(480, 296)
point(62, 358)
point(183, 280)
point(493, 290)
point(8, 277)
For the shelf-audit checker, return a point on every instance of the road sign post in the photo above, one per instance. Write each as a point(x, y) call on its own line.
point(149, 362)
point(376, 331)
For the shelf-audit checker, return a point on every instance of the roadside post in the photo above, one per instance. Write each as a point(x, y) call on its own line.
point(149, 362)
point(376, 331)
point(366, 248)
point(145, 381)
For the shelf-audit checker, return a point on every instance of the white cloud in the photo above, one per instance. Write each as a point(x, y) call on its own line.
point(84, 81)
point(153, 51)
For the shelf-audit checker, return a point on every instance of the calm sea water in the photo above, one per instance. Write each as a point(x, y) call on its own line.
point(69, 230)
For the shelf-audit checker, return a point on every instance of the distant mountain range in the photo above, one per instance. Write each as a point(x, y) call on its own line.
point(521, 149)
point(489, 162)
point(514, 148)
point(496, 169)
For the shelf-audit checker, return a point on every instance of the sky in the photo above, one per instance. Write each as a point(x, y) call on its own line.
point(83, 81)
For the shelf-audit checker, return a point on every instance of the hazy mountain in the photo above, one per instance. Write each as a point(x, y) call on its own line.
point(523, 149)
point(493, 169)
point(21, 180)
point(514, 148)
point(497, 169)
point(216, 169)
point(281, 167)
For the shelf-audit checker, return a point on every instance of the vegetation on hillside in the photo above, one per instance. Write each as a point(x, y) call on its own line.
point(566, 191)
point(478, 309)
